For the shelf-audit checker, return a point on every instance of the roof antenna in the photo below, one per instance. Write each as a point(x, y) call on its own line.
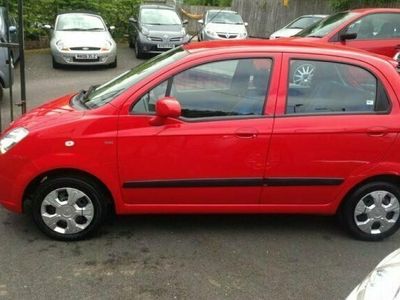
point(204, 25)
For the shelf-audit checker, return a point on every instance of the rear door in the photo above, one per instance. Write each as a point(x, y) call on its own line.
point(326, 131)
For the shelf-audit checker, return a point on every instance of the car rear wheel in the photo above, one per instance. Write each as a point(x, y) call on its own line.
point(68, 208)
point(372, 212)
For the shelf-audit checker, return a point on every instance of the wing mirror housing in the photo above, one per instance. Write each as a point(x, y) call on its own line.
point(246, 24)
point(48, 27)
point(112, 28)
point(347, 36)
point(185, 22)
point(200, 22)
point(132, 20)
point(12, 29)
point(167, 107)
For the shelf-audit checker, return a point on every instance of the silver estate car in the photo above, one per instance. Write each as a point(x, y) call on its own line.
point(82, 39)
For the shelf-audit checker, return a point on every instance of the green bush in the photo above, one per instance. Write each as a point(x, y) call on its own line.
point(347, 4)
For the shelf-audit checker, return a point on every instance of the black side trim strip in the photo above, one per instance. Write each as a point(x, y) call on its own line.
point(232, 182)
point(302, 181)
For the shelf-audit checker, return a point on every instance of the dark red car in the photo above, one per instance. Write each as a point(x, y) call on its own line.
point(217, 127)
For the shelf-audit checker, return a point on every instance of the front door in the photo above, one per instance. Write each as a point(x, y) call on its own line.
point(216, 152)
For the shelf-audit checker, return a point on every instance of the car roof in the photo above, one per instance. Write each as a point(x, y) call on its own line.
point(156, 6)
point(81, 12)
point(222, 10)
point(282, 45)
point(315, 16)
point(375, 10)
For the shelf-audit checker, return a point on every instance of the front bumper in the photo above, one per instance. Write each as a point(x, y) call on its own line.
point(223, 36)
point(83, 58)
point(16, 172)
point(155, 47)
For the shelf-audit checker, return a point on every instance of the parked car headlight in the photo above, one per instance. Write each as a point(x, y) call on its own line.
point(211, 33)
point(243, 34)
point(12, 138)
point(145, 31)
point(183, 32)
point(61, 46)
point(106, 46)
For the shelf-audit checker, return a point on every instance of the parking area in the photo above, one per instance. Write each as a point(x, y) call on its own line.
point(176, 257)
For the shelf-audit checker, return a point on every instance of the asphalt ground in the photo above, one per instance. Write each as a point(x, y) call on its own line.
point(176, 257)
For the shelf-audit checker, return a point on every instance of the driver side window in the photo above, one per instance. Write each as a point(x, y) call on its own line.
point(219, 89)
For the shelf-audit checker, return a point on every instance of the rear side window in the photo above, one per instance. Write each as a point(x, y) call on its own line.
point(319, 87)
point(376, 26)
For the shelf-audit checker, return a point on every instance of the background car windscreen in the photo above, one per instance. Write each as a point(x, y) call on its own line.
point(159, 17)
point(72, 22)
point(303, 22)
point(224, 18)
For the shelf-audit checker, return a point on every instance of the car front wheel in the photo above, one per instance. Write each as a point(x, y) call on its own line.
point(372, 212)
point(138, 50)
point(68, 208)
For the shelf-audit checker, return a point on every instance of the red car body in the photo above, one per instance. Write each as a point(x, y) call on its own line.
point(271, 164)
point(387, 43)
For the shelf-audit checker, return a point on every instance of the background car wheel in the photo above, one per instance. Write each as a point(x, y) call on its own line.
point(138, 50)
point(303, 74)
point(131, 43)
point(68, 208)
point(56, 65)
point(372, 212)
point(114, 64)
point(1, 93)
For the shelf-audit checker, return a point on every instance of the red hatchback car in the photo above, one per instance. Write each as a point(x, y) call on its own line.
point(215, 127)
point(375, 30)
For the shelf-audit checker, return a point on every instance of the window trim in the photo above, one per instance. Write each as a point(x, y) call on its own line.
point(216, 118)
point(379, 83)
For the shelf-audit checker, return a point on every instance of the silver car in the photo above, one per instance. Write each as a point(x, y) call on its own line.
point(382, 283)
point(297, 25)
point(222, 25)
point(82, 39)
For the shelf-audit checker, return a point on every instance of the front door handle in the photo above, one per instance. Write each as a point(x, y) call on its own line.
point(246, 133)
point(377, 131)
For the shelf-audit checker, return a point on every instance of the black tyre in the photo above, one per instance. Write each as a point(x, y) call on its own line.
point(113, 64)
point(131, 43)
point(56, 65)
point(138, 50)
point(68, 208)
point(1, 92)
point(371, 212)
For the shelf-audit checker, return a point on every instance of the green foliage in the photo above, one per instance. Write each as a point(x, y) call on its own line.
point(40, 12)
point(347, 4)
point(223, 3)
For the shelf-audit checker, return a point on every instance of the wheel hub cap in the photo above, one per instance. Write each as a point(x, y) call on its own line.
point(67, 211)
point(377, 212)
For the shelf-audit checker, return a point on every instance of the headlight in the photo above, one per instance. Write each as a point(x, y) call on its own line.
point(145, 31)
point(60, 45)
point(106, 46)
point(243, 34)
point(12, 138)
point(183, 31)
point(211, 33)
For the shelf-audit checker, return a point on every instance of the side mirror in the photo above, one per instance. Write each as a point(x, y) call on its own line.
point(201, 22)
point(347, 36)
point(132, 20)
point(112, 28)
point(246, 24)
point(167, 107)
point(12, 29)
point(48, 27)
point(185, 22)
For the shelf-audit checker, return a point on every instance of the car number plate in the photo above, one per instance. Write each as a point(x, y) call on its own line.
point(165, 46)
point(86, 56)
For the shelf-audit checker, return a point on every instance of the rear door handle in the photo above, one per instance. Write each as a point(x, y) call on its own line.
point(246, 133)
point(377, 131)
